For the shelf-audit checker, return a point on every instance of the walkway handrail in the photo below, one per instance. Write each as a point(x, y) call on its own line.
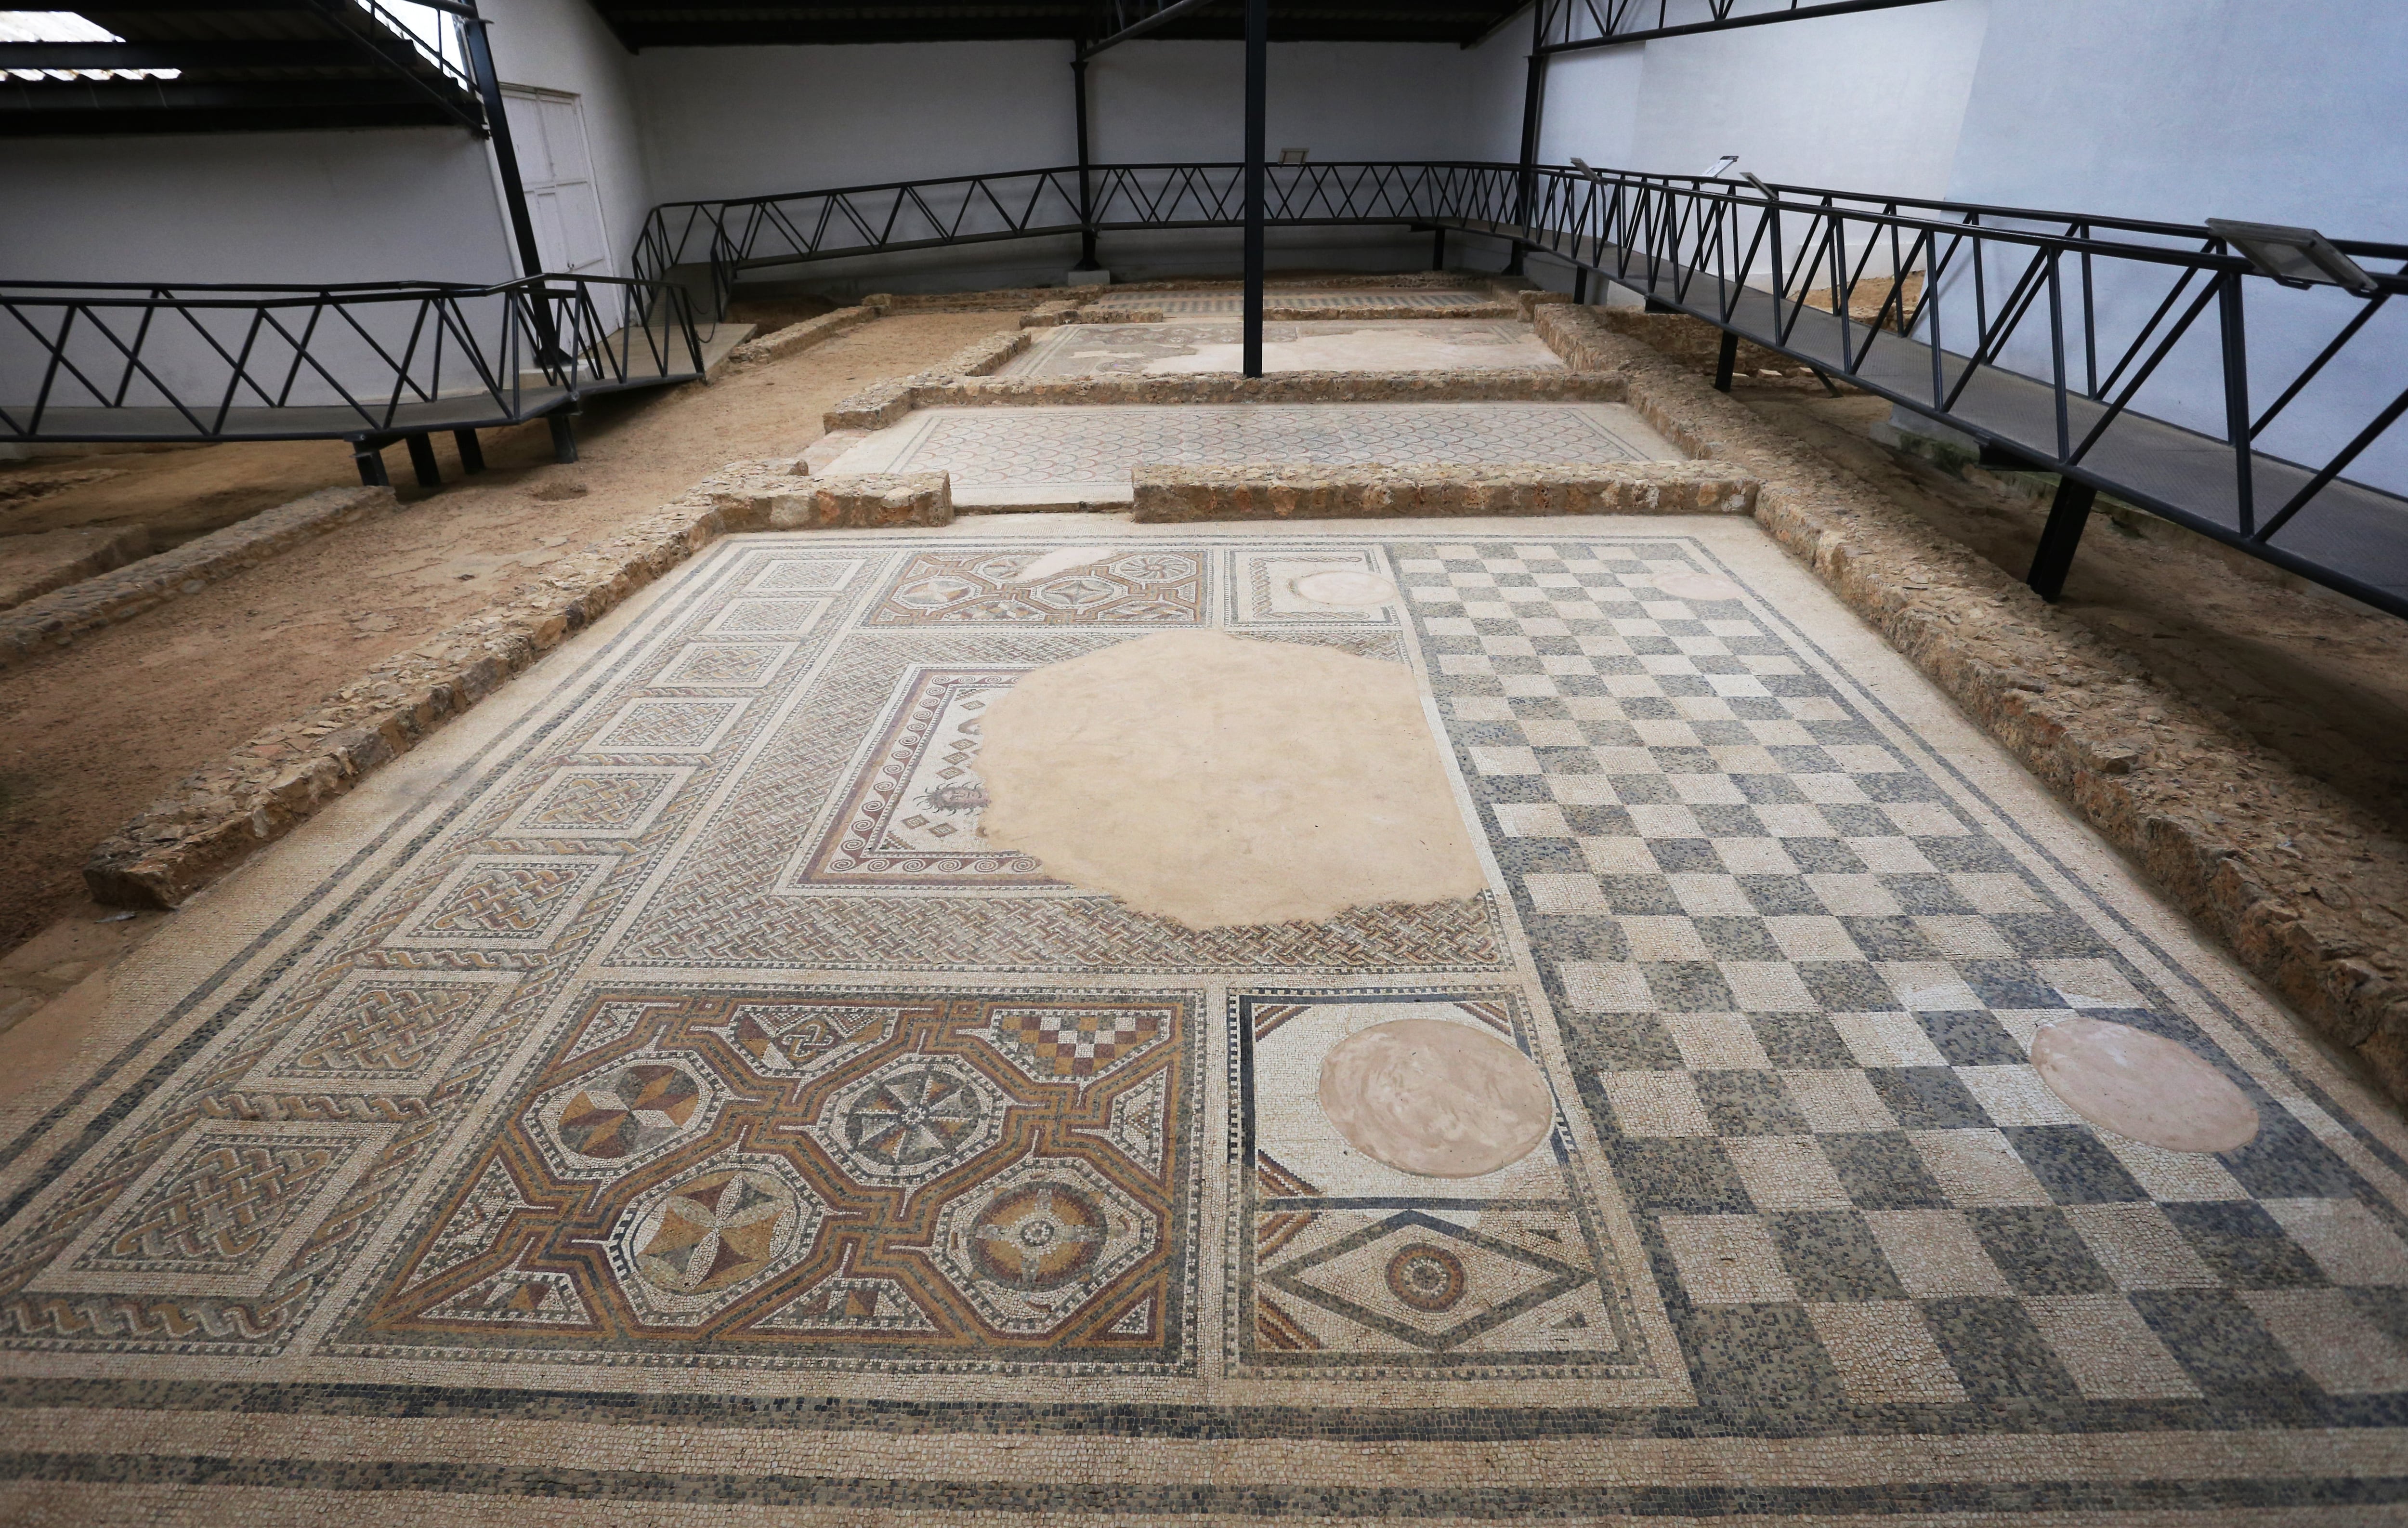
point(137, 361)
point(2066, 342)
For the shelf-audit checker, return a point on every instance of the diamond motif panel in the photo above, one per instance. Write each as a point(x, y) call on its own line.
point(385, 1032)
point(504, 901)
point(598, 802)
point(224, 1211)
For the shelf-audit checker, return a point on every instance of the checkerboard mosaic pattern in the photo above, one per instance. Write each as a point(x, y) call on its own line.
point(591, 1136)
point(1799, 982)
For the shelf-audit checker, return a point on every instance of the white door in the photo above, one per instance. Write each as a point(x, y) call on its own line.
point(548, 129)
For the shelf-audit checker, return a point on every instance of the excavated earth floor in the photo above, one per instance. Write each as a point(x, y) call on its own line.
point(90, 733)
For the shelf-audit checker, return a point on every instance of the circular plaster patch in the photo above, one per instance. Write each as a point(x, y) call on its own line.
point(2143, 1086)
point(1435, 1098)
point(1346, 589)
point(1699, 586)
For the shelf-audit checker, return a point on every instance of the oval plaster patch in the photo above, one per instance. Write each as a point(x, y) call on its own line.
point(1346, 589)
point(1219, 781)
point(2143, 1086)
point(1435, 1098)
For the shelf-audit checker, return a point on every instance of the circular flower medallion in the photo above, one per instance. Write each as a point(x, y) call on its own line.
point(1040, 1235)
point(915, 1119)
point(1427, 1277)
point(714, 1232)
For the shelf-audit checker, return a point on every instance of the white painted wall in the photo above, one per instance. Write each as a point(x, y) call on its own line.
point(753, 122)
point(395, 204)
point(743, 121)
point(562, 45)
point(2287, 111)
point(1866, 102)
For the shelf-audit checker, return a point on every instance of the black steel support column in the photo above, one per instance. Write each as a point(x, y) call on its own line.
point(472, 455)
point(497, 123)
point(421, 460)
point(1086, 191)
point(1534, 110)
point(1438, 249)
point(368, 456)
point(564, 436)
point(1258, 30)
point(1723, 362)
point(2067, 516)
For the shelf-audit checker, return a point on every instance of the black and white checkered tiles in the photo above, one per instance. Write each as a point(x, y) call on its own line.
point(1800, 986)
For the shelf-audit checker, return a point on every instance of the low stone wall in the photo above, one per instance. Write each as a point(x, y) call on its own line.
point(1022, 298)
point(984, 357)
point(875, 408)
point(54, 619)
point(1693, 342)
point(783, 498)
point(260, 792)
point(2305, 888)
point(797, 338)
point(1344, 492)
point(1050, 315)
point(32, 565)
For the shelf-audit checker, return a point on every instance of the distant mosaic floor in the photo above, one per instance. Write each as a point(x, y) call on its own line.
point(1068, 455)
point(674, 1110)
point(1188, 303)
point(1384, 345)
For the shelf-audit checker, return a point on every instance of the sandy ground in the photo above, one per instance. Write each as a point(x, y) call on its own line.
point(2311, 675)
point(91, 735)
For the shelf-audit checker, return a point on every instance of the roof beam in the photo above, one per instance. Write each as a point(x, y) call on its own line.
point(65, 97)
point(1162, 15)
point(263, 54)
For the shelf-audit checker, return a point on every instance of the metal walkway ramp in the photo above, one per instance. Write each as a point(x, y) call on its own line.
point(2346, 534)
point(371, 363)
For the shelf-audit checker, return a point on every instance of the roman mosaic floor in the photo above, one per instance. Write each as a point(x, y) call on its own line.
point(1377, 345)
point(1229, 301)
point(656, 1101)
point(1071, 455)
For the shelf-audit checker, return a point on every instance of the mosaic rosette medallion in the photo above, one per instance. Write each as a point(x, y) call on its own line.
point(832, 1176)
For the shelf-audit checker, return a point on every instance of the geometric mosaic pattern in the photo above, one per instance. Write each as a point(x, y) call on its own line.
point(910, 816)
point(1462, 344)
point(1356, 1269)
point(894, 1180)
point(1801, 986)
point(1139, 588)
point(966, 1204)
point(1053, 454)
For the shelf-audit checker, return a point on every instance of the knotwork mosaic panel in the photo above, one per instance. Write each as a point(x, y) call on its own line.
point(827, 1177)
point(1114, 587)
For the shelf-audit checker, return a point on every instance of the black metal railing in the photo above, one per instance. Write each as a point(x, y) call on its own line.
point(120, 361)
point(1572, 26)
point(2148, 359)
point(731, 236)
